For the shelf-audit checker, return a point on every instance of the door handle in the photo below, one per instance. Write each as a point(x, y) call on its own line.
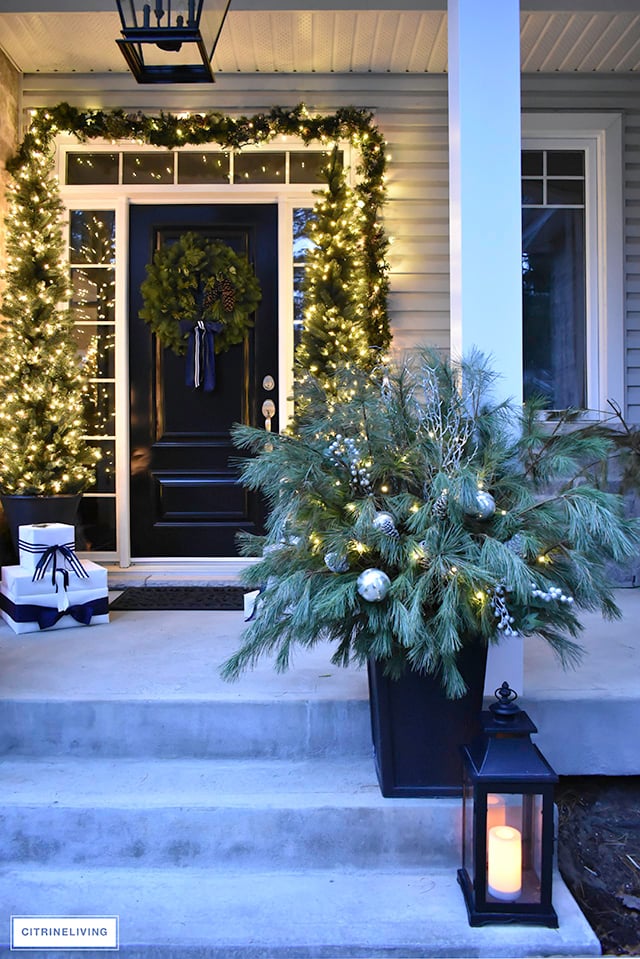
point(268, 411)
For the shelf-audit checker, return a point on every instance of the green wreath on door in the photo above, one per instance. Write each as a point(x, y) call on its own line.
point(199, 280)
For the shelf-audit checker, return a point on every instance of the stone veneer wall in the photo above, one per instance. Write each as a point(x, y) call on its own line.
point(9, 94)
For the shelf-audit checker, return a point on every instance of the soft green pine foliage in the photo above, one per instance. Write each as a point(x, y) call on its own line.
point(424, 442)
point(42, 387)
point(342, 294)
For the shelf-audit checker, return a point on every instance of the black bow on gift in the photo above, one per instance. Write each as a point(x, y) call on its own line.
point(201, 366)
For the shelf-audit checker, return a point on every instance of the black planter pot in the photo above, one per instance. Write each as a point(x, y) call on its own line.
point(417, 732)
point(24, 510)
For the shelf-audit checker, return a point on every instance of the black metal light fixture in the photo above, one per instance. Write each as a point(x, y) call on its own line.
point(162, 38)
point(507, 821)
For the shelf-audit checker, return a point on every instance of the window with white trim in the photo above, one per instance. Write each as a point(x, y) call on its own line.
point(554, 267)
point(573, 264)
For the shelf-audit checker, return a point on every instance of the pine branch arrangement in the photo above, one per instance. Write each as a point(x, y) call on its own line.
point(43, 389)
point(415, 514)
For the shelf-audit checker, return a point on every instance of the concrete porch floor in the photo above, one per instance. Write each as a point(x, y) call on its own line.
point(121, 749)
point(587, 717)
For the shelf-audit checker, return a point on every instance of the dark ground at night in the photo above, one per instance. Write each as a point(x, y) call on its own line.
point(599, 855)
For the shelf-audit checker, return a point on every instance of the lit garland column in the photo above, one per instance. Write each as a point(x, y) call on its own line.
point(344, 323)
point(42, 450)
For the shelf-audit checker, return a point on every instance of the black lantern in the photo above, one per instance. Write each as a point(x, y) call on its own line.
point(161, 38)
point(507, 821)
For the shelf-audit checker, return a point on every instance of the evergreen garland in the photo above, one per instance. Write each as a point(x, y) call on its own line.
point(42, 385)
point(199, 279)
point(367, 197)
point(413, 515)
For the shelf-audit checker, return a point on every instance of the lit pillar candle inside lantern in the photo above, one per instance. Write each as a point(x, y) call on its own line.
point(496, 812)
point(505, 863)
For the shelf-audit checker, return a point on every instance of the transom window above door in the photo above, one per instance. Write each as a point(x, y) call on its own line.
point(183, 167)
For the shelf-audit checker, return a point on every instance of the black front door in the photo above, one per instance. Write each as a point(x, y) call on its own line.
point(185, 496)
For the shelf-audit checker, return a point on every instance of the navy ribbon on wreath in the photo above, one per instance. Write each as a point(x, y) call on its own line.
point(46, 616)
point(200, 364)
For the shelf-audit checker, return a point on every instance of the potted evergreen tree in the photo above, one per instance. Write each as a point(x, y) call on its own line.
point(42, 386)
point(414, 520)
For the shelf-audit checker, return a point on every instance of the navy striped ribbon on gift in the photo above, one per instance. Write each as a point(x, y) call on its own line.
point(50, 557)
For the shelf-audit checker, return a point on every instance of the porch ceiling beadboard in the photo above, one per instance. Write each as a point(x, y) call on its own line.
point(271, 37)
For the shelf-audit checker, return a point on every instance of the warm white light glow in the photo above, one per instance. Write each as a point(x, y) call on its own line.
point(504, 863)
point(496, 810)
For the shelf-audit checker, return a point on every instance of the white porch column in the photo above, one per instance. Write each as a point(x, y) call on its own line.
point(484, 170)
point(485, 215)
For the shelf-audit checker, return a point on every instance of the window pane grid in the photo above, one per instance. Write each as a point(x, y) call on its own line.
point(92, 272)
point(181, 167)
point(553, 178)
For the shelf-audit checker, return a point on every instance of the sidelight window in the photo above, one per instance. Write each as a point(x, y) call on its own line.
point(92, 264)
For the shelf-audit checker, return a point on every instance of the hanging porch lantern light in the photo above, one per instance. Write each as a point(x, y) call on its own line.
point(507, 821)
point(161, 39)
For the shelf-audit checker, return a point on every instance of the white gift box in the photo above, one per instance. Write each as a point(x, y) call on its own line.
point(41, 611)
point(29, 606)
point(18, 583)
point(35, 538)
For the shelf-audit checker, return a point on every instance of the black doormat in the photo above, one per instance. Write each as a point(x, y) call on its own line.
point(180, 597)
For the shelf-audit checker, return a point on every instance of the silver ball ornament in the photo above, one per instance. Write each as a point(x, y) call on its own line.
point(373, 585)
point(485, 506)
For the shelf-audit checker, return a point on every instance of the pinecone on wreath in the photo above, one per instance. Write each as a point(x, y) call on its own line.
point(213, 294)
point(227, 294)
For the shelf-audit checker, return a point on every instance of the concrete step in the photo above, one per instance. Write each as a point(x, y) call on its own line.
point(241, 814)
point(316, 914)
point(171, 728)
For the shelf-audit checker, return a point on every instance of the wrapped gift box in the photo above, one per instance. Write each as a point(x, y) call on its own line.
point(88, 607)
point(29, 606)
point(18, 583)
point(35, 539)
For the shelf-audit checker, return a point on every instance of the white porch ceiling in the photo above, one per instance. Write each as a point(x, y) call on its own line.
point(265, 36)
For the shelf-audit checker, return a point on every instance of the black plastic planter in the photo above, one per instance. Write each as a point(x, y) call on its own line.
point(24, 510)
point(417, 732)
